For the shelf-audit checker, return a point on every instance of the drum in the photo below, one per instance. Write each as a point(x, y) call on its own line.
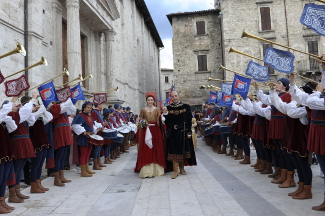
point(119, 138)
point(95, 140)
point(216, 128)
point(109, 133)
point(204, 126)
point(124, 129)
point(225, 129)
point(208, 131)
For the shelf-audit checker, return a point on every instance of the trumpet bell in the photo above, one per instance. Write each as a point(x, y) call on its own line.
point(43, 61)
point(21, 49)
point(66, 72)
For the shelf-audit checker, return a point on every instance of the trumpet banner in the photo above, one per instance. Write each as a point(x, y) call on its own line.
point(64, 94)
point(213, 97)
point(100, 98)
point(16, 87)
point(313, 16)
point(47, 93)
point(241, 85)
point(77, 94)
point(258, 72)
point(280, 60)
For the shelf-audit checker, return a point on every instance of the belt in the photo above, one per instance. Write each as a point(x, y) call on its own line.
point(278, 117)
point(259, 122)
point(318, 122)
point(61, 125)
point(19, 136)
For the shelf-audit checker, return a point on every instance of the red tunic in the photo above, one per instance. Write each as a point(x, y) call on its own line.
point(62, 130)
point(296, 141)
point(21, 145)
point(259, 131)
point(250, 124)
point(316, 136)
point(278, 120)
point(243, 125)
point(39, 136)
point(5, 152)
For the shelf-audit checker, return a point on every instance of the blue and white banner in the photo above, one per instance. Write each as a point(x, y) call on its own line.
point(219, 96)
point(77, 94)
point(48, 94)
point(280, 60)
point(226, 100)
point(167, 101)
point(257, 72)
point(313, 16)
point(241, 85)
point(226, 88)
point(213, 97)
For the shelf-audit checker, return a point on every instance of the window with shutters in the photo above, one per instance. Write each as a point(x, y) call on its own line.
point(313, 49)
point(200, 27)
point(202, 63)
point(265, 18)
point(265, 46)
point(166, 79)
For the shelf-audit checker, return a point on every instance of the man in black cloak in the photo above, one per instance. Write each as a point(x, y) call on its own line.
point(180, 150)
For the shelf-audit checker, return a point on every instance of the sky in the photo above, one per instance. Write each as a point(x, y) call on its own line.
point(159, 9)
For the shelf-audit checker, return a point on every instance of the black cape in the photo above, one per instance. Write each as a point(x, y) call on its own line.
point(179, 124)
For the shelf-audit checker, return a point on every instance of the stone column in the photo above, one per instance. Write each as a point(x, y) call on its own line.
point(98, 75)
point(74, 42)
point(57, 40)
point(109, 58)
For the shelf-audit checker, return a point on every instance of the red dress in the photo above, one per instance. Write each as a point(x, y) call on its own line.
point(155, 155)
point(21, 145)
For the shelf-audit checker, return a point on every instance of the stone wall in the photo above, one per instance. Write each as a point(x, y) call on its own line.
point(187, 45)
point(119, 49)
point(239, 15)
point(165, 86)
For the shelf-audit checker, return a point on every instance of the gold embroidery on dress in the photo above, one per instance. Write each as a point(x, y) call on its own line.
point(177, 112)
point(151, 116)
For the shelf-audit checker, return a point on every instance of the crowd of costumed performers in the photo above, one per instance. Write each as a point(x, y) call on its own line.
point(33, 134)
point(285, 126)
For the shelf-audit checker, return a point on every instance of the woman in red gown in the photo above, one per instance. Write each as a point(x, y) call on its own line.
point(151, 152)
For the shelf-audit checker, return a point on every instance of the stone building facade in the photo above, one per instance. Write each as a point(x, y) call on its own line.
point(114, 40)
point(275, 20)
point(167, 80)
point(197, 53)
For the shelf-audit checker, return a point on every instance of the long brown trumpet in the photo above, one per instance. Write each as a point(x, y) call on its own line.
point(19, 49)
point(246, 34)
point(42, 62)
point(78, 78)
point(236, 51)
point(211, 79)
point(65, 72)
point(321, 1)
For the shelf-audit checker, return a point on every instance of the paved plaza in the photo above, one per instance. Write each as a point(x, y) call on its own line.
point(217, 186)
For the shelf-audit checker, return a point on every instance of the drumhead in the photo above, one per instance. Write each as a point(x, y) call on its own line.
point(120, 135)
point(97, 137)
point(109, 130)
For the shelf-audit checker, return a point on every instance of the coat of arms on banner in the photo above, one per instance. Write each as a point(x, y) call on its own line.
point(16, 87)
point(64, 94)
point(100, 98)
point(226, 88)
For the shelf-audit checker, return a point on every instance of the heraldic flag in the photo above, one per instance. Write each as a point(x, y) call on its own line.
point(280, 60)
point(241, 85)
point(313, 16)
point(226, 100)
point(226, 97)
point(219, 96)
point(77, 94)
point(48, 93)
point(213, 97)
point(258, 72)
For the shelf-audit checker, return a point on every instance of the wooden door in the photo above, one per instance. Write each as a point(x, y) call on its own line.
point(65, 50)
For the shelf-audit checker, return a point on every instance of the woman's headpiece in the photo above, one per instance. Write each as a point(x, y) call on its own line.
point(152, 94)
